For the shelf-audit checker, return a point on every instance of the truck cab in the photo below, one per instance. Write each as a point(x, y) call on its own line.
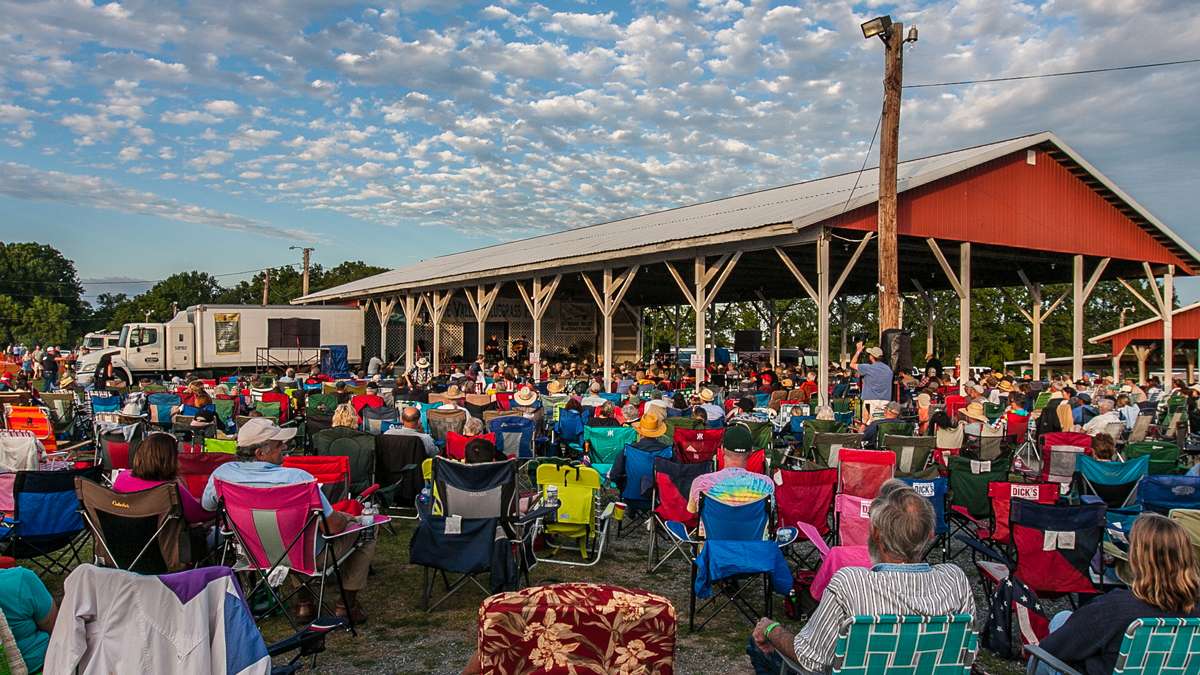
point(158, 347)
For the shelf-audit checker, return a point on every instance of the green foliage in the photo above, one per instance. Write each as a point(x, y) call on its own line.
point(287, 283)
point(29, 273)
point(176, 292)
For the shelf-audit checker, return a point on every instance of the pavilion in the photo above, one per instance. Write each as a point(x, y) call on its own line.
point(1024, 211)
point(1182, 327)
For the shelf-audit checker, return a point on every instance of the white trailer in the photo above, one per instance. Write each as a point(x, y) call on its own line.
point(224, 338)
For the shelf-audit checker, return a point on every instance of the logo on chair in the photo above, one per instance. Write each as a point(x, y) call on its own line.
point(119, 505)
point(1183, 490)
point(1028, 492)
point(924, 489)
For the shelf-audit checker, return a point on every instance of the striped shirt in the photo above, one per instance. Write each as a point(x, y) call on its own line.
point(917, 589)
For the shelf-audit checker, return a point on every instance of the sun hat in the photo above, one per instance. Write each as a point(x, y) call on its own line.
point(554, 387)
point(738, 439)
point(525, 396)
point(651, 425)
point(258, 430)
point(453, 392)
point(1006, 386)
point(786, 383)
point(422, 362)
point(707, 395)
point(875, 351)
point(974, 411)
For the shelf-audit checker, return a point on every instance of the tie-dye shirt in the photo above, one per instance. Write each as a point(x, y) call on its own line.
point(731, 485)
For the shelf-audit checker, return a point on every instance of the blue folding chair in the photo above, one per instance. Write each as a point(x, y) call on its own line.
point(1161, 493)
point(935, 489)
point(514, 435)
point(1114, 483)
point(633, 473)
point(614, 399)
point(161, 405)
point(105, 402)
point(796, 426)
point(46, 528)
point(569, 427)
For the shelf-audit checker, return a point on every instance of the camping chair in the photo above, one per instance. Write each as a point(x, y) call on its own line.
point(1053, 548)
point(284, 414)
point(196, 467)
point(272, 410)
point(987, 445)
point(637, 640)
point(1163, 493)
point(514, 435)
point(568, 430)
point(225, 446)
point(318, 414)
point(456, 444)
point(969, 480)
point(1115, 483)
point(756, 462)
point(1059, 450)
point(1164, 456)
point(761, 433)
point(912, 452)
point(477, 404)
point(578, 511)
point(469, 529)
point(892, 428)
point(46, 525)
point(1149, 647)
point(935, 490)
point(443, 421)
point(736, 553)
point(633, 474)
point(805, 496)
point(826, 449)
point(62, 408)
point(1189, 520)
point(670, 519)
point(278, 526)
point(1141, 427)
point(142, 531)
point(815, 426)
point(117, 445)
point(227, 410)
point(697, 446)
point(18, 450)
point(398, 459)
point(374, 418)
point(853, 518)
point(862, 472)
point(358, 446)
point(890, 643)
point(35, 419)
point(602, 446)
point(161, 406)
point(1016, 427)
point(332, 473)
point(950, 438)
point(104, 402)
point(993, 529)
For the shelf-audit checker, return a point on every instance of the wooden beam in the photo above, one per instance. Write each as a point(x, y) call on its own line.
point(1054, 305)
point(941, 258)
point(1095, 278)
point(787, 262)
point(678, 280)
point(1133, 291)
point(728, 263)
point(862, 246)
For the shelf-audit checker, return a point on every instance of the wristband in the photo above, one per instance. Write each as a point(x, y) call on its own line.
point(767, 632)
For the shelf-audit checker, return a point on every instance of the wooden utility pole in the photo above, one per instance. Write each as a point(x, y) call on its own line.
point(889, 281)
point(266, 285)
point(306, 251)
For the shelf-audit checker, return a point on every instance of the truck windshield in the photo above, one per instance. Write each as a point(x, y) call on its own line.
point(123, 340)
point(93, 342)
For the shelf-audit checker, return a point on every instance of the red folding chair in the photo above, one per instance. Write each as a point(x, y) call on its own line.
point(756, 462)
point(994, 527)
point(456, 443)
point(1015, 427)
point(695, 446)
point(196, 467)
point(331, 471)
point(672, 522)
point(1059, 450)
point(805, 496)
point(954, 403)
point(862, 472)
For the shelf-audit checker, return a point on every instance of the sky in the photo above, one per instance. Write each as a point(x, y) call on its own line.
point(147, 137)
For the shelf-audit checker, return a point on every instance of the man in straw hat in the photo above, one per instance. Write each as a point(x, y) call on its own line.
point(974, 416)
point(420, 375)
point(652, 432)
point(711, 410)
point(733, 484)
point(454, 400)
point(526, 397)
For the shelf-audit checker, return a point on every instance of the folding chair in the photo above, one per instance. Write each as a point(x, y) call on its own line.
point(805, 496)
point(117, 445)
point(826, 449)
point(279, 526)
point(1164, 456)
point(602, 446)
point(35, 419)
point(935, 490)
point(227, 410)
point(514, 435)
point(1016, 427)
point(443, 421)
point(225, 446)
point(373, 418)
point(456, 444)
point(318, 413)
point(853, 517)
point(814, 426)
point(18, 450)
point(332, 473)
point(358, 446)
point(568, 429)
point(697, 446)
point(890, 643)
point(950, 438)
point(912, 453)
point(271, 398)
point(969, 481)
point(1059, 450)
point(1149, 647)
point(1115, 483)
point(1053, 548)
point(62, 412)
point(862, 472)
point(633, 474)
point(1189, 520)
point(987, 445)
point(578, 514)
point(104, 402)
point(196, 467)
point(892, 428)
point(142, 531)
point(46, 521)
point(1161, 493)
point(1141, 427)
point(471, 522)
point(670, 519)
point(993, 529)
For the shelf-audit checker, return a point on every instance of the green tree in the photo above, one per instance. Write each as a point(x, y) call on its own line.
point(29, 271)
point(176, 292)
point(45, 322)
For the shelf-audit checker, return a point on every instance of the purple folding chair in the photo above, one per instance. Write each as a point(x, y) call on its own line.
point(275, 527)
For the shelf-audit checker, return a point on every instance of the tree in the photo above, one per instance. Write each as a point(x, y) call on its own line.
point(44, 322)
point(29, 271)
point(176, 292)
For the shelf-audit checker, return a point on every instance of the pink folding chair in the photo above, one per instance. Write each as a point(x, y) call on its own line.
point(276, 526)
point(853, 515)
point(861, 472)
point(1059, 451)
point(696, 446)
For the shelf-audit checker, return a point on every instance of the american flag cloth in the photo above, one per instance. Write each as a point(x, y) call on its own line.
point(1013, 600)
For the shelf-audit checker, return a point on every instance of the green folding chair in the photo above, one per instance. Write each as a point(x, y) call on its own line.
point(814, 427)
point(603, 445)
point(969, 480)
point(682, 422)
point(226, 446)
point(762, 433)
point(992, 411)
point(1164, 456)
point(886, 644)
point(825, 447)
point(1150, 647)
point(1042, 399)
point(272, 410)
point(893, 428)
point(912, 453)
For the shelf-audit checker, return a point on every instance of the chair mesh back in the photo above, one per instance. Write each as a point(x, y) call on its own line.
point(442, 422)
point(125, 524)
point(827, 447)
point(912, 452)
point(805, 496)
point(672, 487)
point(862, 472)
point(485, 490)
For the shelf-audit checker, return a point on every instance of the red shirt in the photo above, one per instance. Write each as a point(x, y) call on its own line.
point(364, 400)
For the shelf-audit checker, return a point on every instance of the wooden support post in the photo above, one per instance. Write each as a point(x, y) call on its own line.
point(889, 141)
point(412, 307)
point(537, 301)
point(928, 296)
point(1081, 292)
point(481, 301)
point(1036, 316)
point(962, 286)
point(707, 284)
point(437, 302)
point(608, 298)
point(1116, 366)
point(1142, 353)
point(383, 310)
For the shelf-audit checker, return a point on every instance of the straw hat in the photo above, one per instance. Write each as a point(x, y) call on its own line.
point(525, 396)
point(422, 362)
point(453, 392)
point(786, 383)
point(707, 395)
point(974, 411)
point(554, 387)
point(1006, 386)
point(651, 425)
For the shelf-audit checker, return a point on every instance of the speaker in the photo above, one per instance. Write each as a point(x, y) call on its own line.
point(747, 341)
point(897, 349)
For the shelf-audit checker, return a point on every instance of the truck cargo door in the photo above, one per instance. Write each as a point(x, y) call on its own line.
point(180, 347)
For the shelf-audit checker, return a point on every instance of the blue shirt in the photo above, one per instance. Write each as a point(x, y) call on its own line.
point(25, 601)
point(876, 381)
point(257, 474)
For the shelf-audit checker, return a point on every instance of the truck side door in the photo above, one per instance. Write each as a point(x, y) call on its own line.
point(145, 350)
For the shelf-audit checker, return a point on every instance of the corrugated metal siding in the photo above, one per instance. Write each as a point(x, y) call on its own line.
point(1007, 202)
point(1185, 327)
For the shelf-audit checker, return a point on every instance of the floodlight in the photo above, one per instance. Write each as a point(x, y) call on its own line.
point(880, 26)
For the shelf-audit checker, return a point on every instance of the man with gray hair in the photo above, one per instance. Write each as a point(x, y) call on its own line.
point(1107, 415)
point(410, 420)
point(902, 528)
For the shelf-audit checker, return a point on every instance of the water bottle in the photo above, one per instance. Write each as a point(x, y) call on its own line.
point(368, 520)
point(424, 498)
point(552, 496)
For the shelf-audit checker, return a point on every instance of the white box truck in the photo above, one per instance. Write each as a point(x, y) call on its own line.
point(225, 338)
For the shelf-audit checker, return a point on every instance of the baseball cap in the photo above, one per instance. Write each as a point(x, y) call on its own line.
point(260, 430)
point(738, 439)
point(875, 351)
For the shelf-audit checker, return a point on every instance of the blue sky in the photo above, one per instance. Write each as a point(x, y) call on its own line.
point(148, 137)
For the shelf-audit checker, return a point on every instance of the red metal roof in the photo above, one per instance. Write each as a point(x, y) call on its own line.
point(1009, 202)
point(1185, 326)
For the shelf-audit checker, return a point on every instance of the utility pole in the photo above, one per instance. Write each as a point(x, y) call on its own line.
point(306, 251)
point(266, 285)
point(893, 38)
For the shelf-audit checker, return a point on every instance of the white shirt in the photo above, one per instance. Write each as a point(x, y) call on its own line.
point(1100, 422)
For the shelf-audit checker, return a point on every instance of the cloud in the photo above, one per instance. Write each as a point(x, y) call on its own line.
point(223, 108)
point(189, 117)
point(210, 158)
point(25, 182)
point(592, 26)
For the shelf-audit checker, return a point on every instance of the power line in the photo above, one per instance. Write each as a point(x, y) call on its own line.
point(866, 156)
point(1065, 73)
point(134, 281)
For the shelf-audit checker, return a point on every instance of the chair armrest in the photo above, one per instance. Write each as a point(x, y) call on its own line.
point(983, 549)
point(787, 665)
point(542, 512)
point(1049, 659)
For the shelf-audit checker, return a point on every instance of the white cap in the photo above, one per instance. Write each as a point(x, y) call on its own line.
point(258, 430)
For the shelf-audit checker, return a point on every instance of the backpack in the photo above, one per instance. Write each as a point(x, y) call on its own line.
point(1013, 597)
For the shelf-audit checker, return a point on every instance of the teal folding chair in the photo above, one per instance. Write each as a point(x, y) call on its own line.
point(1150, 647)
point(886, 644)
